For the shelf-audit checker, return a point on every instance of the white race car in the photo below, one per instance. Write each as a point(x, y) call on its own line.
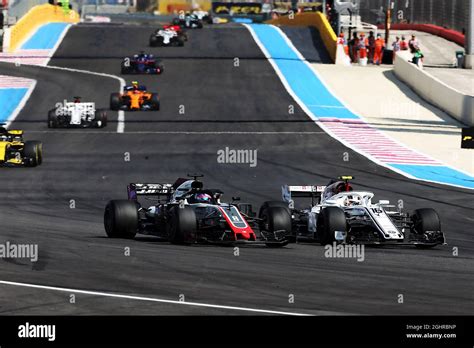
point(167, 37)
point(339, 214)
point(76, 114)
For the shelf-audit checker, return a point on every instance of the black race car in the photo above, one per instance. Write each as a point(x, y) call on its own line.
point(191, 21)
point(142, 63)
point(185, 213)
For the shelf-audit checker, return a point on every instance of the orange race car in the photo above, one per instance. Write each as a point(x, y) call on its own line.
point(134, 97)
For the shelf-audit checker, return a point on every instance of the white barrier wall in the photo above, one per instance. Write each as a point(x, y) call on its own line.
point(455, 103)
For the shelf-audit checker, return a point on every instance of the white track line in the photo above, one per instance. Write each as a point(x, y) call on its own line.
point(150, 299)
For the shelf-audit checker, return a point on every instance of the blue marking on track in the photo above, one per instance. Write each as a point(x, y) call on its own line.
point(45, 37)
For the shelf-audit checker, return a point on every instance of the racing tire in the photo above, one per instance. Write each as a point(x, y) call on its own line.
point(115, 101)
point(276, 219)
point(426, 219)
point(330, 220)
point(161, 67)
point(179, 41)
point(100, 115)
point(155, 101)
point(182, 225)
point(121, 219)
point(271, 204)
point(199, 25)
point(156, 41)
point(33, 153)
point(52, 119)
point(268, 204)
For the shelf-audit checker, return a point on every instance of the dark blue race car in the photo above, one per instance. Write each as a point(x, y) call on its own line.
point(142, 63)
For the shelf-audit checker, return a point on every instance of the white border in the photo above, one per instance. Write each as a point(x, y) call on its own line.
point(328, 131)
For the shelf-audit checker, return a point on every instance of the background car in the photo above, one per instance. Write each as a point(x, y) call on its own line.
point(188, 20)
point(76, 114)
point(166, 37)
point(15, 152)
point(142, 63)
point(133, 99)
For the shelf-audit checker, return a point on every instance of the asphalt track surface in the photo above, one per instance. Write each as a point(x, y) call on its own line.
point(88, 166)
point(309, 43)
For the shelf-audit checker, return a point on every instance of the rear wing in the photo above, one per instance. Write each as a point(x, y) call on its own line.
point(134, 190)
point(310, 191)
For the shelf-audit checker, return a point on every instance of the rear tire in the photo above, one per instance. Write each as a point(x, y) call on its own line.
point(121, 219)
point(330, 220)
point(115, 101)
point(101, 115)
point(182, 225)
point(155, 101)
point(156, 41)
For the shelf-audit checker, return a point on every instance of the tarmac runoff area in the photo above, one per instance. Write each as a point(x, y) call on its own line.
point(391, 106)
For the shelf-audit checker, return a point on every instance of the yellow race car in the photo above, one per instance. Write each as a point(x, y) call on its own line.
point(16, 152)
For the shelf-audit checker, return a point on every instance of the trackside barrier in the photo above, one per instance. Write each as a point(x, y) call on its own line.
point(36, 17)
point(313, 19)
point(455, 103)
point(448, 34)
point(170, 6)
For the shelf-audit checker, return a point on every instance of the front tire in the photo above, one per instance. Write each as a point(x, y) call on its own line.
point(101, 115)
point(52, 119)
point(425, 220)
point(33, 151)
point(121, 219)
point(277, 219)
point(330, 220)
point(182, 225)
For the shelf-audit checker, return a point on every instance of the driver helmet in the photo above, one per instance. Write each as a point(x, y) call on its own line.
point(135, 84)
point(343, 187)
point(202, 198)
